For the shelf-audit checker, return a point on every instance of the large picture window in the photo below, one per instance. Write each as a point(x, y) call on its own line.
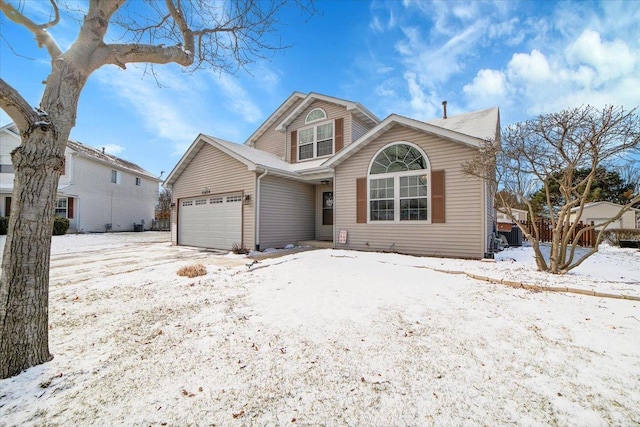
point(398, 188)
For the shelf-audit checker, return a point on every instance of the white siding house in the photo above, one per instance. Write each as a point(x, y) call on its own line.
point(98, 192)
point(600, 212)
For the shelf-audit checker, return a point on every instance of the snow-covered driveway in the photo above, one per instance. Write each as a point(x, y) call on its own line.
point(319, 338)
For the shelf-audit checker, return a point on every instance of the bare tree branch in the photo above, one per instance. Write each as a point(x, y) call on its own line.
point(39, 30)
point(549, 151)
point(15, 106)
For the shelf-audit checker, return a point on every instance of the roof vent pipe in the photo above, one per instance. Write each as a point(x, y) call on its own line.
point(444, 108)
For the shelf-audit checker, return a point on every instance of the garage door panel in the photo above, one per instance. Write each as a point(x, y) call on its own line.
point(211, 222)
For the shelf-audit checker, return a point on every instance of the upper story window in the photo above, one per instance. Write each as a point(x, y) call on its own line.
point(116, 176)
point(316, 141)
point(138, 181)
point(398, 188)
point(315, 114)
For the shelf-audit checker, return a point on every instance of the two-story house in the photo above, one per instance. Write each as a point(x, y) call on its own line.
point(323, 168)
point(98, 191)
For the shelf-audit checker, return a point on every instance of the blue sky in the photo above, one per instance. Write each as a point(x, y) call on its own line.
point(405, 57)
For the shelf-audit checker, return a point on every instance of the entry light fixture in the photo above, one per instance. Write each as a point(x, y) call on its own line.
point(324, 182)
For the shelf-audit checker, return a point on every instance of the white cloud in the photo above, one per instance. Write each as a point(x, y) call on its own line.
point(423, 105)
point(114, 149)
point(170, 112)
point(238, 100)
point(610, 60)
point(532, 67)
point(489, 87)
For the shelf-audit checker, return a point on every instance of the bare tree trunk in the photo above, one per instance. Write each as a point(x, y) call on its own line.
point(38, 163)
point(24, 286)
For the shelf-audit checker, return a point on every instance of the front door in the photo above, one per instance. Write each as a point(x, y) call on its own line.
point(324, 217)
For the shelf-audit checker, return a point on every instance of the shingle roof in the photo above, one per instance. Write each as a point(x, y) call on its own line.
point(479, 124)
point(95, 154)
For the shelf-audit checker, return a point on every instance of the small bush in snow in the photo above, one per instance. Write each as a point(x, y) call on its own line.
point(193, 270)
point(239, 249)
point(60, 226)
point(613, 236)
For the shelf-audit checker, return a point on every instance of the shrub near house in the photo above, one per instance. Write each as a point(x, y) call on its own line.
point(60, 225)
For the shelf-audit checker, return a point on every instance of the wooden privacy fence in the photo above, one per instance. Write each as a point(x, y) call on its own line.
point(545, 232)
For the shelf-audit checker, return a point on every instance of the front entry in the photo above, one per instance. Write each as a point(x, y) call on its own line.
point(324, 212)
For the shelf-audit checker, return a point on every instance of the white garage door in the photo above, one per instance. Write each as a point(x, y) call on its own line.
point(211, 222)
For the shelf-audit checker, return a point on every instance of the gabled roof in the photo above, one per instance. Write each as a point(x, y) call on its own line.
point(294, 97)
point(478, 124)
point(254, 159)
point(354, 107)
point(471, 129)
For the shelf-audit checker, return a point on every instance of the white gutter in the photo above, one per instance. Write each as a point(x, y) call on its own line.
point(257, 214)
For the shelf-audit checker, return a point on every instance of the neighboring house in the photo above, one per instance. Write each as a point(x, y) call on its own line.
point(97, 192)
point(505, 223)
point(322, 168)
point(600, 212)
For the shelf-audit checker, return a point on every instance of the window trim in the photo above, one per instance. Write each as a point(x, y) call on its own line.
point(396, 186)
point(307, 120)
point(66, 207)
point(314, 143)
point(118, 176)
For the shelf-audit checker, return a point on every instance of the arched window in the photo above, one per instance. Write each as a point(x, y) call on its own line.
point(398, 190)
point(315, 114)
point(317, 139)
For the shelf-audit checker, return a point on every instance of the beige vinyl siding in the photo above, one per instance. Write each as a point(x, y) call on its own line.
point(287, 212)
point(273, 141)
point(220, 174)
point(357, 130)
point(333, 111)
point(462, 233)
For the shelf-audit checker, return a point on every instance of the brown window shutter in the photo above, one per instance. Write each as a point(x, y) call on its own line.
point(294, 146)
point(361, 200)
point(437, 197)
point(70, 208)
point(339, 132)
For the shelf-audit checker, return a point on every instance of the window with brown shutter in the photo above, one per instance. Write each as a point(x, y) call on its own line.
point(339, 134)
point(361, 200)
point(294, 146)
point(437, 197)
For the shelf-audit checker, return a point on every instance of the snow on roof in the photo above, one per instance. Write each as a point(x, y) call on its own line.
point(92, 153)
point(253, 155)
point(479, 124)
point(601, 202)
point(95, 154)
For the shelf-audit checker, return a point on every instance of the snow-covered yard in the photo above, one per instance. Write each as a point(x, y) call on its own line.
point(328, 337)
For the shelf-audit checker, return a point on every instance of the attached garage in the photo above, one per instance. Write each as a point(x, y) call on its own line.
point(211, 221)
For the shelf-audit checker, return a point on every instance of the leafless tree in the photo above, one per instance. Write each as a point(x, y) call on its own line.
point(546, 152)
point(224, 35)
point(163, 208)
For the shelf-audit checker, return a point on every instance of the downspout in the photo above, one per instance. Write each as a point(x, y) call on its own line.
point(257, 215)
